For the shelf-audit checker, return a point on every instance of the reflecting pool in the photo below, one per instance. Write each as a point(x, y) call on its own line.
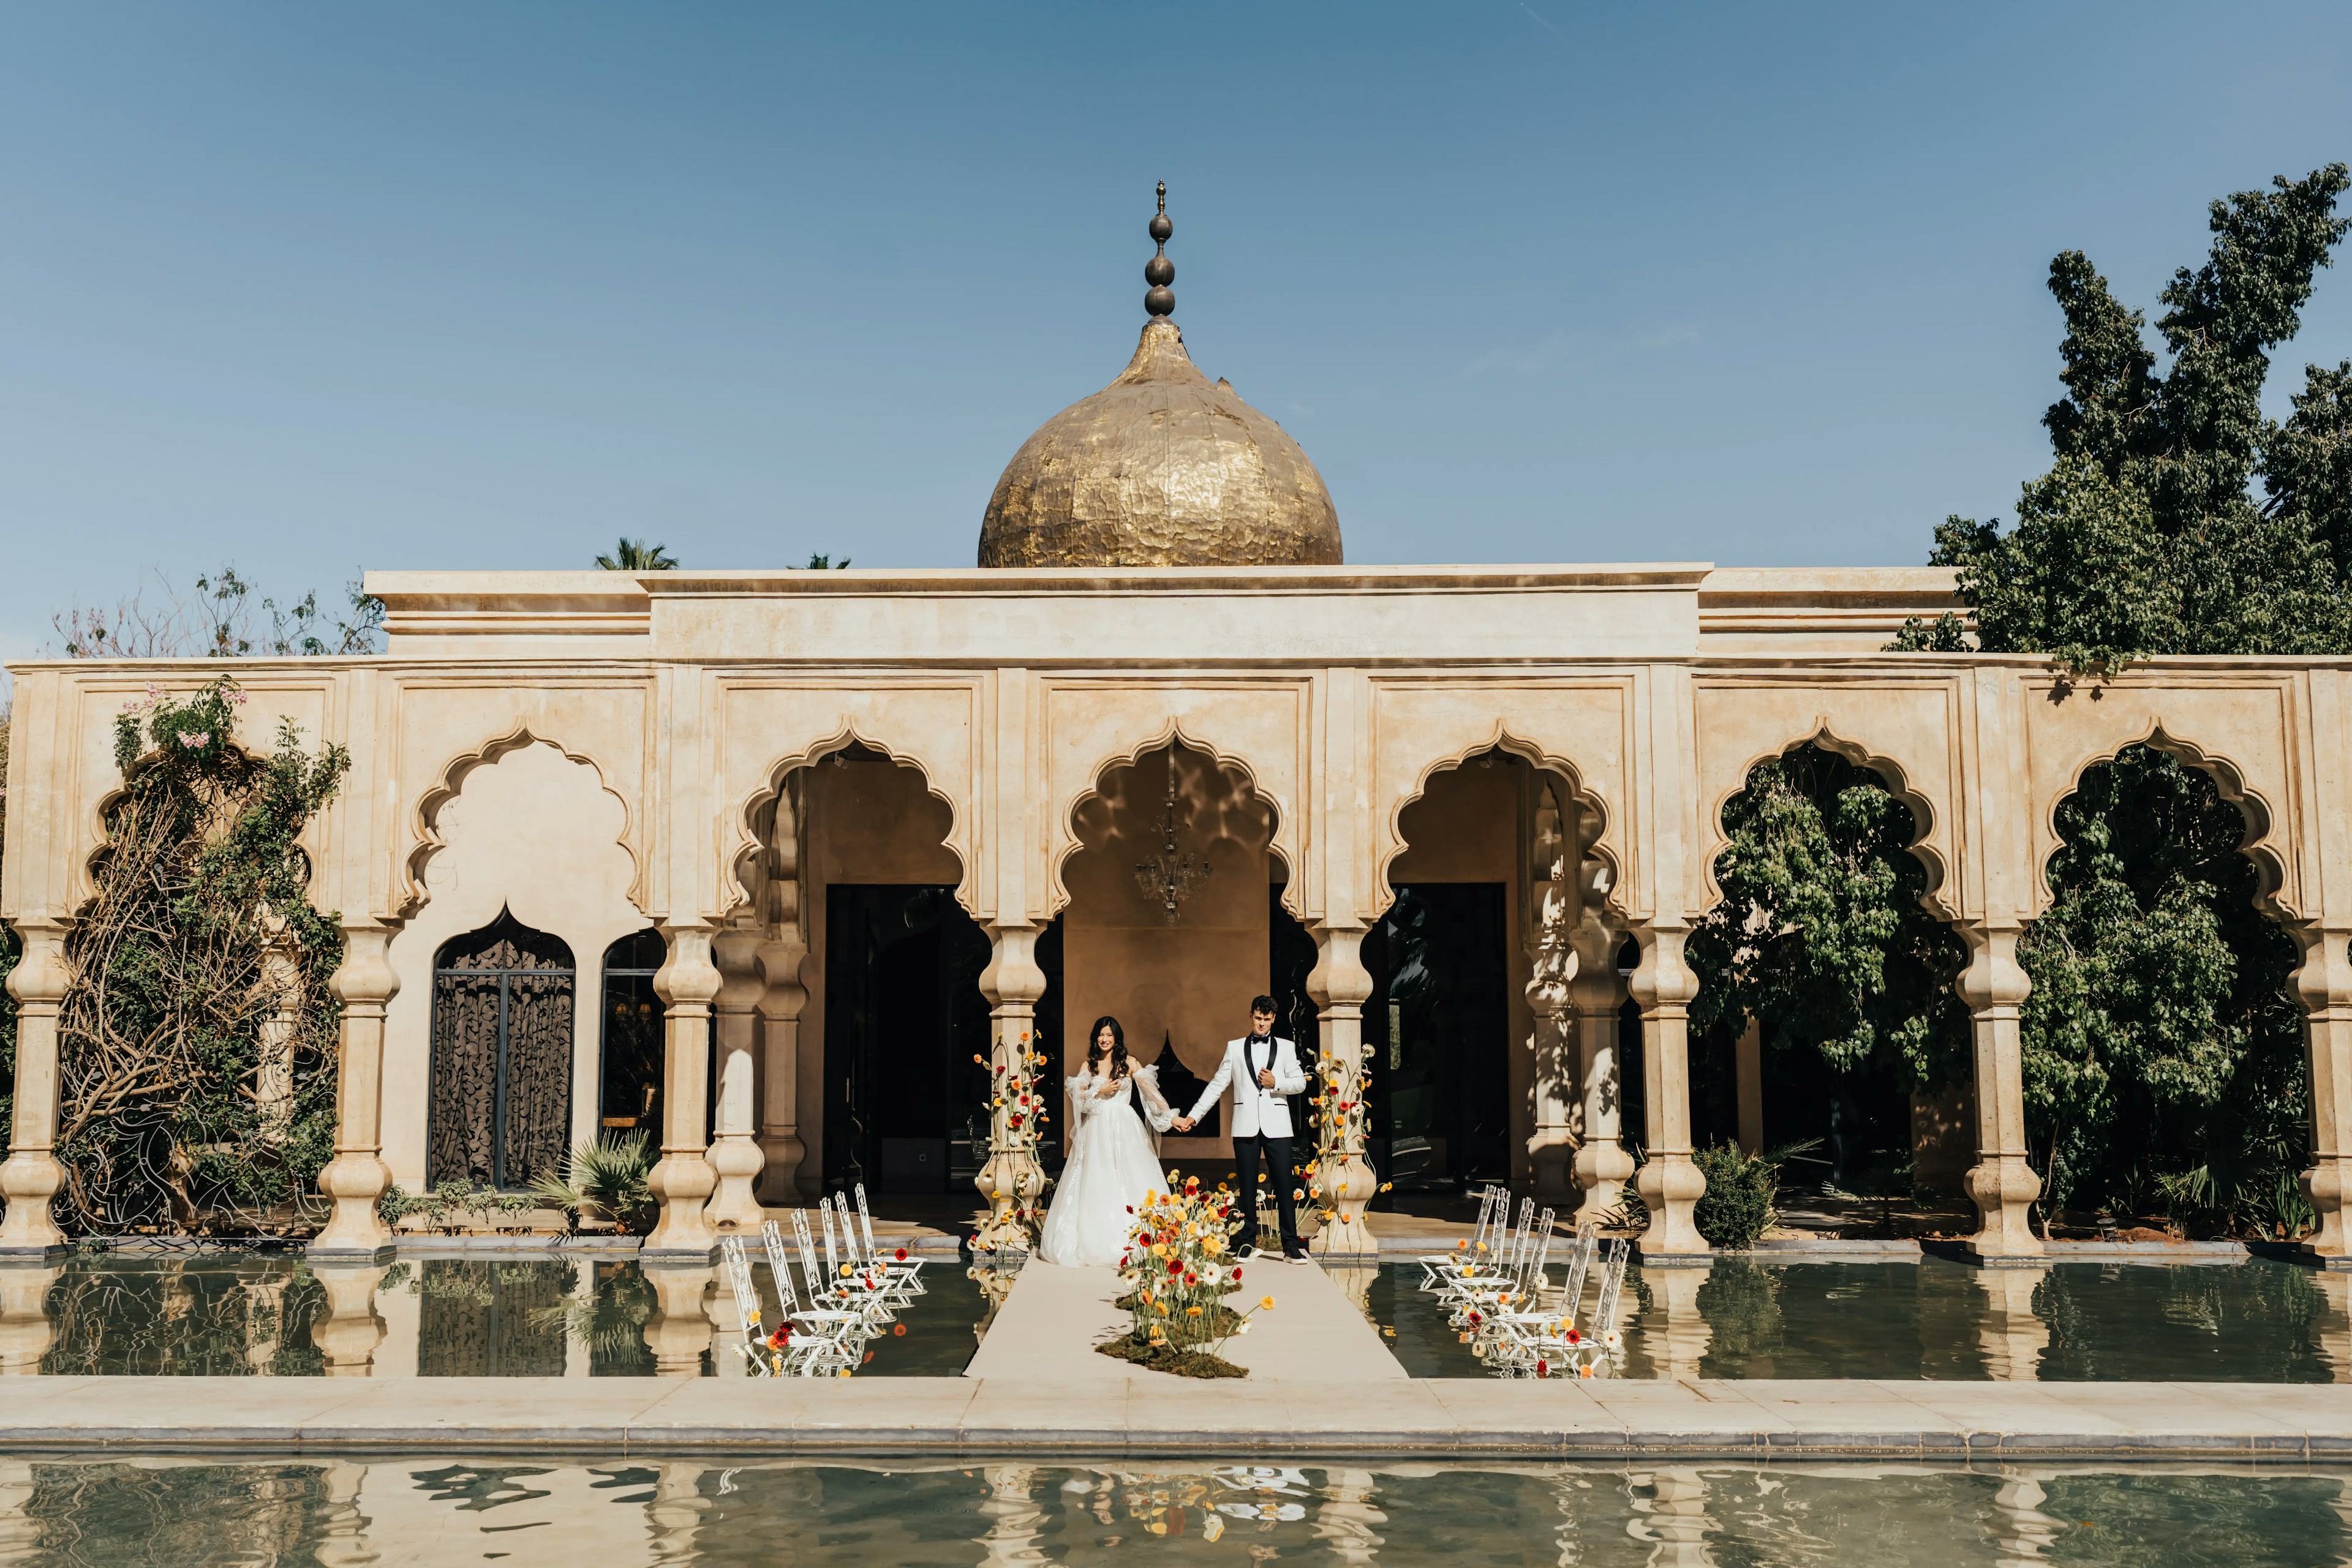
point(217, 1313)
point(648, 1511)
point(2254, 1321)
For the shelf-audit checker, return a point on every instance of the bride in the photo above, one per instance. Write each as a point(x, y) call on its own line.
point(1114, 1160)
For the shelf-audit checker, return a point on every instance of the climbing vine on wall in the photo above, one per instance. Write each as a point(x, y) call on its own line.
point(196, 1041)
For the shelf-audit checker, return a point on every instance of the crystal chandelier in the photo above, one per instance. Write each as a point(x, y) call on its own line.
point(1169, 876)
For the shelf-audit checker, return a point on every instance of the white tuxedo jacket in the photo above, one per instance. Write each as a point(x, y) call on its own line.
point(1257, 1112)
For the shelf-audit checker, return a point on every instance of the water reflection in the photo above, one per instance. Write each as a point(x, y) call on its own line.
point(217, 1313)
point(671, 1511)
point(2256, 1321)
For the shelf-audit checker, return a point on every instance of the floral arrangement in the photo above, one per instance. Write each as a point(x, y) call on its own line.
point(1014, 1091)
point(1339, 1127)
point(1177, 1272)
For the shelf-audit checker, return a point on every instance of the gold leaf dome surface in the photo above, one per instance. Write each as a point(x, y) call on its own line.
point(1161, 468)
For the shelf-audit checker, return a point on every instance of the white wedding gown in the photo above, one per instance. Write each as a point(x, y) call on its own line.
point(1114, 1161)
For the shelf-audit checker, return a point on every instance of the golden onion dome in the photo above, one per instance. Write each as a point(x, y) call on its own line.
point(1161, 468)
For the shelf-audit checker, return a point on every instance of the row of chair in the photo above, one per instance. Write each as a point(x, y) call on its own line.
point(1496, 1287)
point(821, 1328)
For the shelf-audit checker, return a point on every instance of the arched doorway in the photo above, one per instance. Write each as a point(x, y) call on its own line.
point(1448, 980)
point(1174, 924)
point(501, 1069)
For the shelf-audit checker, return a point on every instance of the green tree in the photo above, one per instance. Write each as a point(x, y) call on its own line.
point(2158, 1036)
point(2161, 1054)
point(636, 555)
point(2145, 536)
point(1821, 935)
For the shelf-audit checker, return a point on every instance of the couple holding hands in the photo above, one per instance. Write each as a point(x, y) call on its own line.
point(1117, 1113)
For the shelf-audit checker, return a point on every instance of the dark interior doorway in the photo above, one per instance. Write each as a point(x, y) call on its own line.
point(903, 1019)
point(629, 1044)
point(1439, 1022)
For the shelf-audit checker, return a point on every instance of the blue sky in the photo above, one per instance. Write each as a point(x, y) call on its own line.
point(313, 288)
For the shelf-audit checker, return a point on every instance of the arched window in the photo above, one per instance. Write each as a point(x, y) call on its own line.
point(630, 1043)
point(502, 1106)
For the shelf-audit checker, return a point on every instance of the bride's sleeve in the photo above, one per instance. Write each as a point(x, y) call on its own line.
point(1155, 1105)
point(1081, 1103)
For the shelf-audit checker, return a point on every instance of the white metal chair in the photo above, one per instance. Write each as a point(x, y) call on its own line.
point(827, 1340)
point(1436, 1268)
point(911, 1269)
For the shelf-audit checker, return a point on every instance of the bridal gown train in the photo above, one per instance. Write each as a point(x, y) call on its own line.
point(1114, 1161)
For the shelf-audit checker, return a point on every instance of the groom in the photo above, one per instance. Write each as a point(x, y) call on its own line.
point(1261, 1070)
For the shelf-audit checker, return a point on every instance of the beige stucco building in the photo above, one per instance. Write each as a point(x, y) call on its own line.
point(1116, 785)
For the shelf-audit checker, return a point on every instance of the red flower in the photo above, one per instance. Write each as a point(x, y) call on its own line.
point(1191, 1280)
point(902, 1254)
point(1175, 1266)
point(1574, 1338)
point(776, 1340)
point(1474, 1317)
point(1543, 1369)
point(1012, 1120)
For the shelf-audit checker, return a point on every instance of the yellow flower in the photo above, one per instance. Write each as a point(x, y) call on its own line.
point(1191, 1311)
point(1266, 1302)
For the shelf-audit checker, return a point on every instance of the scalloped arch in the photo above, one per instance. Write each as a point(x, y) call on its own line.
point(1603, 845)
point(1925, 821)
point(2255, 846)
point(742, 861)
point(86, 883)
point(424, 835)
point(1170, 733)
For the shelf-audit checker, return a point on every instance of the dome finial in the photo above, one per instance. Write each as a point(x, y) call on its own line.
point(1161, 299)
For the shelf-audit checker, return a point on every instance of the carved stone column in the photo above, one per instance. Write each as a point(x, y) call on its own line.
point(1338, 986)
point(2003, 1186)
point(2323, 984)
point(31, 1176)
point(1668, 1182)
point(1550, 920)
point(686, 982)
point(1598, 994)
point(1011, 1180)
point(781, 1149)
point(734, 1152)
point(357, 1176)
point(781, 957)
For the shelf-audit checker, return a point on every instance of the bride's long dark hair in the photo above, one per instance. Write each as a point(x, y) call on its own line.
point(1119, 1064)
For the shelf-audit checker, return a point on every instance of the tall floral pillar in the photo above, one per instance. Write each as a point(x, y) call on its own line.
point(2323, 984)
point(2003, 1186)
point(1598, 994)
point(357, 1177)
point(1663, 986)
point(31, 1176)
point(1013, 1181)
point(1549, 923)
point(734, 1153)
point(686, 982)
point(1338, 986)
point(781, 957)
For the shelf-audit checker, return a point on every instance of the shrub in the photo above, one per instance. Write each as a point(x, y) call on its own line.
point(1739, 1205)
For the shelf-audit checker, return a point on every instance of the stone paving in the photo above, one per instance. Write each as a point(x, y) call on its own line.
point(1427, 1417)
point(1314, 1334)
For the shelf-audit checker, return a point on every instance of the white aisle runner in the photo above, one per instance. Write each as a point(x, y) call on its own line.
point(1049, 1325)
